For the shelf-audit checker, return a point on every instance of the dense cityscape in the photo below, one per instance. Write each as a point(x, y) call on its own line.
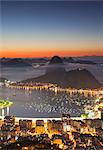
point(64, 133)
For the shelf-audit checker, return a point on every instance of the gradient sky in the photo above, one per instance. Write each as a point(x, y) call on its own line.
point(41, 29)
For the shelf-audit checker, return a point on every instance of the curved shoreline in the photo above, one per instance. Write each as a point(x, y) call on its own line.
point(55, 88)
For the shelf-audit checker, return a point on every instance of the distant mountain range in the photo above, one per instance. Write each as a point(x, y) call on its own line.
point(19, 62)
point(75, 78)
point(16, 62)
point(80, 61)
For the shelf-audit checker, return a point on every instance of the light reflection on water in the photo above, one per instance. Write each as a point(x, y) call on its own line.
point(43, 103)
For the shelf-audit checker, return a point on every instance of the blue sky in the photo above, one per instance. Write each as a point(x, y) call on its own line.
point(52, 26)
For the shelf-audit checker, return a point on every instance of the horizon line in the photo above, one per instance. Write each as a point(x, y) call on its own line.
point(55, 55)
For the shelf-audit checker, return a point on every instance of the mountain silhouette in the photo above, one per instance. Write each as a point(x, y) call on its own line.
point(56, 60)
point(56, 74)
point(79, 61)
point(56, 65)
point(15, 62)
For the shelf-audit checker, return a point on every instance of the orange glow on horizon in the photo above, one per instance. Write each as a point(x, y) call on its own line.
point(49, 53)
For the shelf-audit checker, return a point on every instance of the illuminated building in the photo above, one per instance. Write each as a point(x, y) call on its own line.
point(55, 126)
point(40, 129)
point(25, 124)
point(4, 106)
point(9, 120)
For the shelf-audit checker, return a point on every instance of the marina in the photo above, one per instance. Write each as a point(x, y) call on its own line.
point(45, 103)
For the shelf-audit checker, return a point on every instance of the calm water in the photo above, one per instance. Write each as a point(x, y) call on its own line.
point(43, 103)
